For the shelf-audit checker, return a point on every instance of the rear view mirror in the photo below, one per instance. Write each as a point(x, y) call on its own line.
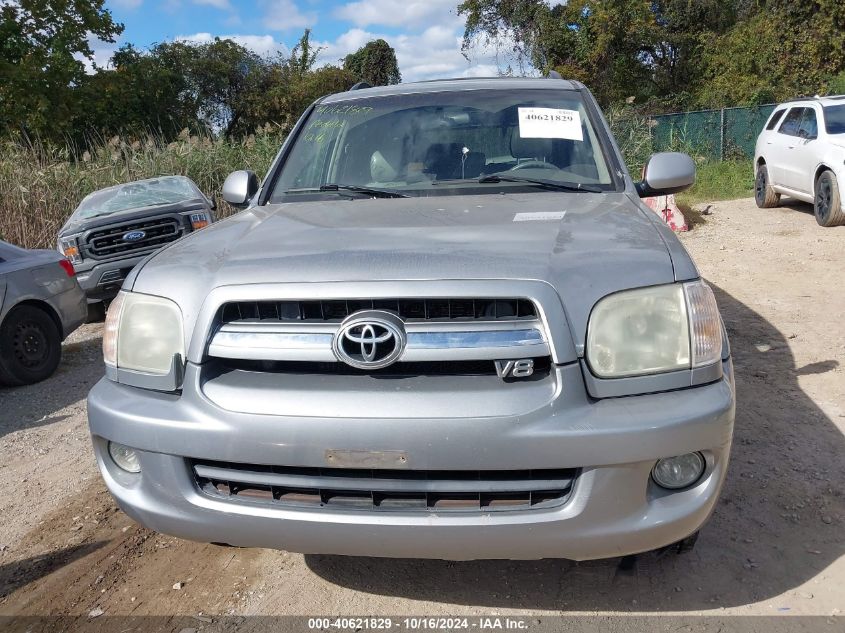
point(239, 187)
point(665, 173)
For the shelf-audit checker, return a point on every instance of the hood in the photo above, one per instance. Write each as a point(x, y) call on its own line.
point(585, 245)
point(76, 224)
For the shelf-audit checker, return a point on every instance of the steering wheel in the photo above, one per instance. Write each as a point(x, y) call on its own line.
point(533, 164)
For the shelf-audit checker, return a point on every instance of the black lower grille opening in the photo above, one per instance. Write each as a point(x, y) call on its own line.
point(252, 490)
point(385, 490)
point(307, 496)
point(541, 497)
point(453, 501)
point(399, 501)
point(348, 498)
point(514, 500)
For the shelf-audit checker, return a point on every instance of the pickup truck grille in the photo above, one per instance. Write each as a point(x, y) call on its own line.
point(409, 309)
point(107, 242)
point(385, 490)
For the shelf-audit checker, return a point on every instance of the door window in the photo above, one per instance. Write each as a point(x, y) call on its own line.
point(792, 121)
point(775, 118)
point(809, 127)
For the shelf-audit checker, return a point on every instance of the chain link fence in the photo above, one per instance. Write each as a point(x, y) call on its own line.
point(724, 134)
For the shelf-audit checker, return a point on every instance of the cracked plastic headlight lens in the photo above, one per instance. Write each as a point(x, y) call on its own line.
point(143, 333)
point(654, 330)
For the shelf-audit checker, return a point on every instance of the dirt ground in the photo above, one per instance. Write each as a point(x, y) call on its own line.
point(774, 546)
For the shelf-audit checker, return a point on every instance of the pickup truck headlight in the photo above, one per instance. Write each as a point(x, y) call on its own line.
point(143, 333)
point(69, 247)
point(199, 220)
point(654, 330)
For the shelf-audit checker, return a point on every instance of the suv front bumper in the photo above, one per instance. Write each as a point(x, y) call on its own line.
point(614, 508)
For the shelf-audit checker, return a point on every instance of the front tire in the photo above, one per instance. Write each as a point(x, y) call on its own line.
point(764, 195)
point(30, 346)
point(828, 203)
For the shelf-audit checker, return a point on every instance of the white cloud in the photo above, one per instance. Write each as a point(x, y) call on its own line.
point(396, 12)
point(217, 4)
point(127, 4)
point(102, 54)
point(433, 53)
point(285, 15)
point(264, 45)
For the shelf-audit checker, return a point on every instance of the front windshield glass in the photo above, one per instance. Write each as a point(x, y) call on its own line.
point(136, 195)
point(444, 142)
point(834, 119)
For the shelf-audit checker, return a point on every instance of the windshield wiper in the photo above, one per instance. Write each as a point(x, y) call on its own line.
point(551, 184)
point(376, 193)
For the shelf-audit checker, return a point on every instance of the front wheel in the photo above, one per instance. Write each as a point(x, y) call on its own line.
point(828, 203)
point(30, 346)
point(764, 195)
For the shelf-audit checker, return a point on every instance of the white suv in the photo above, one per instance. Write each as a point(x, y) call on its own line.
point(801, 153)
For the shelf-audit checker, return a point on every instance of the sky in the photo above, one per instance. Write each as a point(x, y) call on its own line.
point(426, 34)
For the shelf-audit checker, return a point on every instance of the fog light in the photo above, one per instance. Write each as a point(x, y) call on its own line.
point(678, 472)
point(125, 457)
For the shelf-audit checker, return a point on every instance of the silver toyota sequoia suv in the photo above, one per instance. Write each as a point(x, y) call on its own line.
point(444, 326)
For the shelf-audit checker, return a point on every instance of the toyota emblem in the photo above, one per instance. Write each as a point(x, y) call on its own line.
point(370, 339)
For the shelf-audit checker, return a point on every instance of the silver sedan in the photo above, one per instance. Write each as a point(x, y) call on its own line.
point(41, 303)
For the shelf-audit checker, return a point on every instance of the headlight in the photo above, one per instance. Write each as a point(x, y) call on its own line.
point(125, 457)
point(654, 330)
point(199, 221)
point(678, 472)
point(143, 333)
point(69, 247)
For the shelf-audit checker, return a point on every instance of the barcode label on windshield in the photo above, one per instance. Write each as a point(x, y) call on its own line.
point(550, 123)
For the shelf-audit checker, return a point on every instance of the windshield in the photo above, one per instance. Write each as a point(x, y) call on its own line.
point(444, 143)
point(136, 195)
point(834, 119)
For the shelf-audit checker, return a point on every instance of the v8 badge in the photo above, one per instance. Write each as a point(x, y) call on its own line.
point(515, 368)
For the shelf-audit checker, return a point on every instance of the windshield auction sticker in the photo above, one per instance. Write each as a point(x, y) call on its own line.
point(550, 123)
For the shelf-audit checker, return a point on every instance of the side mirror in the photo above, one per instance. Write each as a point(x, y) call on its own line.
point(239, 187)
point(665, 173)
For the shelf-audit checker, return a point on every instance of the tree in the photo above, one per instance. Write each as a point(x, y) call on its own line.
point(603, 43)
point(295, 83)
point(41, 42)
point(782, 50)
point(375, 63)
point(671, 53)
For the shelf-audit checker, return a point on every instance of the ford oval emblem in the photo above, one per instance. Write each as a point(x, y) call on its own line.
point(133, 236)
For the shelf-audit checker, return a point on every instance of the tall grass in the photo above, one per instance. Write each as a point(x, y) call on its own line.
point(41, 186)
point(715, 180)
point(726, 180)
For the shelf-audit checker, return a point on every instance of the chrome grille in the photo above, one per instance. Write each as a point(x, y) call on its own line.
point(436, 329)
point(445, 309)
point(107, 242)
point(385, 490)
